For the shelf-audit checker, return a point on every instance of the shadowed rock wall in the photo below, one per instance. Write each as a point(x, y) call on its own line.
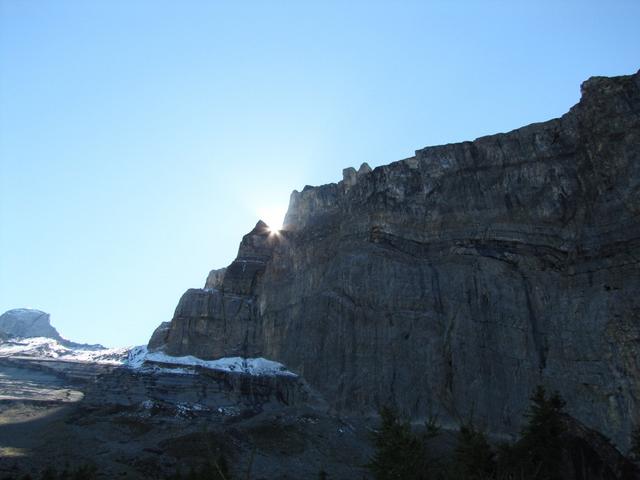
point(454, 281)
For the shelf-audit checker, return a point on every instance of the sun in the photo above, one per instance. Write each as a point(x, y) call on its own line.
point(273, 216)
point(273, 231)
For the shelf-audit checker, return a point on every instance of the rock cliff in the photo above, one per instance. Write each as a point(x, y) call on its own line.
point(27, 322)
point(454, 281)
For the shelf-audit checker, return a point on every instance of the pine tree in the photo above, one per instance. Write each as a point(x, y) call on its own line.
point(473, 458)
point(85, 472)
point(399, 454)
point(65, 474)
point(222, 468)
point(510, 461)
point(49, 473)
point(634, 451)
point(542, 443)
point(432, 427)
point(192, 474)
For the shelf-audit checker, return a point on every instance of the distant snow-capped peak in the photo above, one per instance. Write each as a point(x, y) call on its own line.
point(27, 322)
point(43, 347)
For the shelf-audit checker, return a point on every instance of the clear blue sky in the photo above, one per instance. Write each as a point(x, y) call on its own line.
point(139, 140)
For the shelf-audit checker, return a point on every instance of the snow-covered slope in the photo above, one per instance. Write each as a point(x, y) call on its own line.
point(42, 347)
point(137, 358)
point(28, 333)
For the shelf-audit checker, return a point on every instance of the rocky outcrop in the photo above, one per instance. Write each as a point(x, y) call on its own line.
point(206, 388)
point(454, 281)
point(75, 372)
point(215, 278)
point(158, 339)
point(27, 322)
point(222, 319)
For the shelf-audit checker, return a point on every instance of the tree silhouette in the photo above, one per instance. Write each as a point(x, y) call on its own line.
point(399, 453)
point(542, 438)
point(473, 458)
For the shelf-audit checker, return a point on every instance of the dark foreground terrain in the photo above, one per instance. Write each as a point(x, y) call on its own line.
point(160, 425)
point(126, 434)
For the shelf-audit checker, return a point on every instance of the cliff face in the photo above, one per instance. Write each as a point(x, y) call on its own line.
point(27, 322)
point(454, 281)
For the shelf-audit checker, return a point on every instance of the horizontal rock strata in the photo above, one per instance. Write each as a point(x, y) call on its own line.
point(454, 281)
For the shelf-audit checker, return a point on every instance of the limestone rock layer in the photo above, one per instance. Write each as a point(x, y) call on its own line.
point(454, 281)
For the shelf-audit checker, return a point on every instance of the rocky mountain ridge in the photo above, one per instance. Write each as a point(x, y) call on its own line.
point(454, 281)
point(27, 322)
point(20, 327)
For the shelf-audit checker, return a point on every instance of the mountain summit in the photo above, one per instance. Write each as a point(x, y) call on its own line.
point(27, 322)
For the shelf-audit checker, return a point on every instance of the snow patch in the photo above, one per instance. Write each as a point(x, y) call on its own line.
point(140, 357)
point(230, 411)
point(136, 357)
point(43, 347)
point(188, 409)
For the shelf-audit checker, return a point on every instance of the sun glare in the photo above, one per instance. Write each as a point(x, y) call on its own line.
point(273, 216)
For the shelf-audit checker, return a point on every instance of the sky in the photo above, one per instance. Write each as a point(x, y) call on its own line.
point(139, 140)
